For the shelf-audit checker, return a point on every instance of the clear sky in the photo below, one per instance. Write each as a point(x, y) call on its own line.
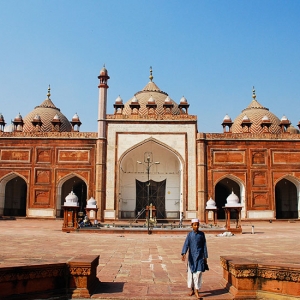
point(212, 52)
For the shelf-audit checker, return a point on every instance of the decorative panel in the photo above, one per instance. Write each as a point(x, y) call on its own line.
point(42, 176)
point(259, 178)
point(74, 156)
point(15, 155)
point(229, 157)
point(43, 156)
point(260, 199)
point(42, 197)
point(258, 158)
point(286, 157)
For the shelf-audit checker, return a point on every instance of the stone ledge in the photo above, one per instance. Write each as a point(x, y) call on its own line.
point(75, 278)
point(247, 278)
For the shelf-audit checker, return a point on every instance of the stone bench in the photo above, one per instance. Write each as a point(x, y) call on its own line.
point(262, 277)
point(75, 278)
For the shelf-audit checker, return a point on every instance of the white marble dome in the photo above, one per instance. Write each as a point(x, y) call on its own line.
point(233, 200)
point(91, 203)
point(211, 204)
point(71, 200)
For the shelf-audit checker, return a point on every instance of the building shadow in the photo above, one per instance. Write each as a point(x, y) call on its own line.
point(109, 287)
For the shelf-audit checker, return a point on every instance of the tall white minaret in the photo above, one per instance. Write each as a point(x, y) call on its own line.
point(100, 182)
point(102, 101)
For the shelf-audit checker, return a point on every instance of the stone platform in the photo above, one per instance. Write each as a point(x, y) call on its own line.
point(146, 266)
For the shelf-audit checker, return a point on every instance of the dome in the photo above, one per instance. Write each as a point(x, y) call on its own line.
point(151, 90)
point(134, 100)
point(292, 129)
point(119, 100)
point(167, 100)
point(227, 118)
point(9, 128)
point(103, 72)
point(71, 200)
point(91, 203)
point(256, 113)
point(151, 100)
point(211, 204)
point(47, 112)
point(75, 117)
point(183, 100)
point(233, 200)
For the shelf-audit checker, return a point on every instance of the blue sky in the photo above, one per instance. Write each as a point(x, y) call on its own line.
point(212, 52)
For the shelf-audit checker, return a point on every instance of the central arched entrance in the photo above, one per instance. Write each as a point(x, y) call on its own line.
point(163, 172)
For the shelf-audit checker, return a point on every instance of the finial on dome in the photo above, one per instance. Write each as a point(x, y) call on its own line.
point(151, 77)
point(253, 93)
point(48, 94)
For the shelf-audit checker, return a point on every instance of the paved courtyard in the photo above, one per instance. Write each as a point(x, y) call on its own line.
point(141, 266)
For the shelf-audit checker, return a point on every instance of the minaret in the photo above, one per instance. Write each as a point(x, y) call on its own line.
point(102, 101)
point(100, 188)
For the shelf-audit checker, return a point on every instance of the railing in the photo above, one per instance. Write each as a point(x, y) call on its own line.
point(139, 214)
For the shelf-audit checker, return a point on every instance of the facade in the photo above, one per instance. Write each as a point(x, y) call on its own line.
point(149, 152)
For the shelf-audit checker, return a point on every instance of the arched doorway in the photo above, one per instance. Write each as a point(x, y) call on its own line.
point(78, 186)
point(286, 200)
point(165, 176)
point(222, 190)
point(14, 197)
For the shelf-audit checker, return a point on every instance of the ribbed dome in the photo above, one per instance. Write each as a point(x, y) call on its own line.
point(150, 92)
point(256, 113)
point(46, 112)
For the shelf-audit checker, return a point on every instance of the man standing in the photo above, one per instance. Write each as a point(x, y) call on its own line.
point(195, 243)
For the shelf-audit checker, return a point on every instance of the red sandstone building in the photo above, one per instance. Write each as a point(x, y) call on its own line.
point(150, 138)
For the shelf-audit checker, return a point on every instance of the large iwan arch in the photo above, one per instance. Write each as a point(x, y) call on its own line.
point(166, 188)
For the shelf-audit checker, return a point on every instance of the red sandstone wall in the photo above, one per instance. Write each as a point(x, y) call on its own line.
point(43, 162)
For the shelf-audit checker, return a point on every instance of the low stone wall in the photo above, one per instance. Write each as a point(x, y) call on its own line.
point(262, 277)
point(73, 279)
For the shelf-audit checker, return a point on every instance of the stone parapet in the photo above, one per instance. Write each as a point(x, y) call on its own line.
point(56, 135)
point(73, 279)
point(252, 136)
point(153, 117)
point(250, 278)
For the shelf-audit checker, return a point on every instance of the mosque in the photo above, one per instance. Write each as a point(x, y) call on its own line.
point(149, 151)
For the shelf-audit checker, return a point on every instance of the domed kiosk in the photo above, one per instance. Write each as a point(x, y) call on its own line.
point(234, 206)
point(211, 211)
point(91, 210)
point(71, 207)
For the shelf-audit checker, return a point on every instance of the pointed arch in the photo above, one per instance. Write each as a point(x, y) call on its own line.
point(287, 197)
point(171, 168)
point(3, 182)
point(242, 191)
point(59, 190)
point(151, 140)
